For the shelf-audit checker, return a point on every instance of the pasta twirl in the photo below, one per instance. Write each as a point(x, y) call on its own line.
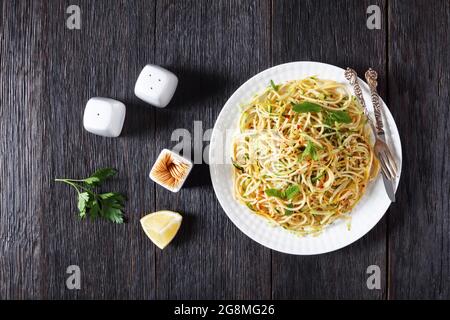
point(303, 157)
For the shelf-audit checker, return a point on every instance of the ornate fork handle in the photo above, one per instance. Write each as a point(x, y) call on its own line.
point(352, 78)
point(371, 78)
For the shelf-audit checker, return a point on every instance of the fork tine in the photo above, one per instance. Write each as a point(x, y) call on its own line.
point(392, 162)
point(389, 166)
point(383, 171)
point(386, 170)
point(383, 166)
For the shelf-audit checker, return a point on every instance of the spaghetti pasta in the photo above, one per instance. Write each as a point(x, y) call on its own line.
point(303, 157)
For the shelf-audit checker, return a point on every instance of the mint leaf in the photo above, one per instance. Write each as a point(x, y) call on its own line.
point(306, 107)
point(292, 191)
point(275, 193)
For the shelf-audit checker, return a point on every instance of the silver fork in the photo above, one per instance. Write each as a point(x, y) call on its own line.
point(387, 162)
point(382, 150)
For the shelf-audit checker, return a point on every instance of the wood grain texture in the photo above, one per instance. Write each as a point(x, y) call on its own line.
point(213, 46)
point(333, 32)
point(47, 74)
point(20, 149)
point(419, 82)
point(102, 59)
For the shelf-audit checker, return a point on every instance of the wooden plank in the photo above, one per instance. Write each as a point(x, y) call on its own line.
point(333, 32)
point(20, 150)
point(104, 58)
point(213, 46)
point(419, 82)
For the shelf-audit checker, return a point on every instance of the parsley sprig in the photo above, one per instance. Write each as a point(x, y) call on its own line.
point(108, 205)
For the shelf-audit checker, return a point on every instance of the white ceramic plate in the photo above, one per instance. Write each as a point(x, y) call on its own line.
point(365, 215)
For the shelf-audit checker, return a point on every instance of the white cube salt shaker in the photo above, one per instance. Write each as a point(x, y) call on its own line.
point(104, 116)
point(156, 85)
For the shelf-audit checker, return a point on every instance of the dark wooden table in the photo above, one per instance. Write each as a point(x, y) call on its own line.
point(48, 72)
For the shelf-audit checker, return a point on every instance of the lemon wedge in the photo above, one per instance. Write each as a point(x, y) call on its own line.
point(161, 226)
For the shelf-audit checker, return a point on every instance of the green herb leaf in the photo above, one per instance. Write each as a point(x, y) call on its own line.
point(342, 116)
point(113, 195)
point(292, 191)
point(306, 107)
point(337, 116)
point(274, 86)
point(94, 211)
point(236, 165)
point(288, 212)
point(275, 193)
point(83, 199)
point(108, 205)
point(92, 181)
point(99, 176)
point(317, 177)
point(112, 214)
point(111, 208)
point(311, 151)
